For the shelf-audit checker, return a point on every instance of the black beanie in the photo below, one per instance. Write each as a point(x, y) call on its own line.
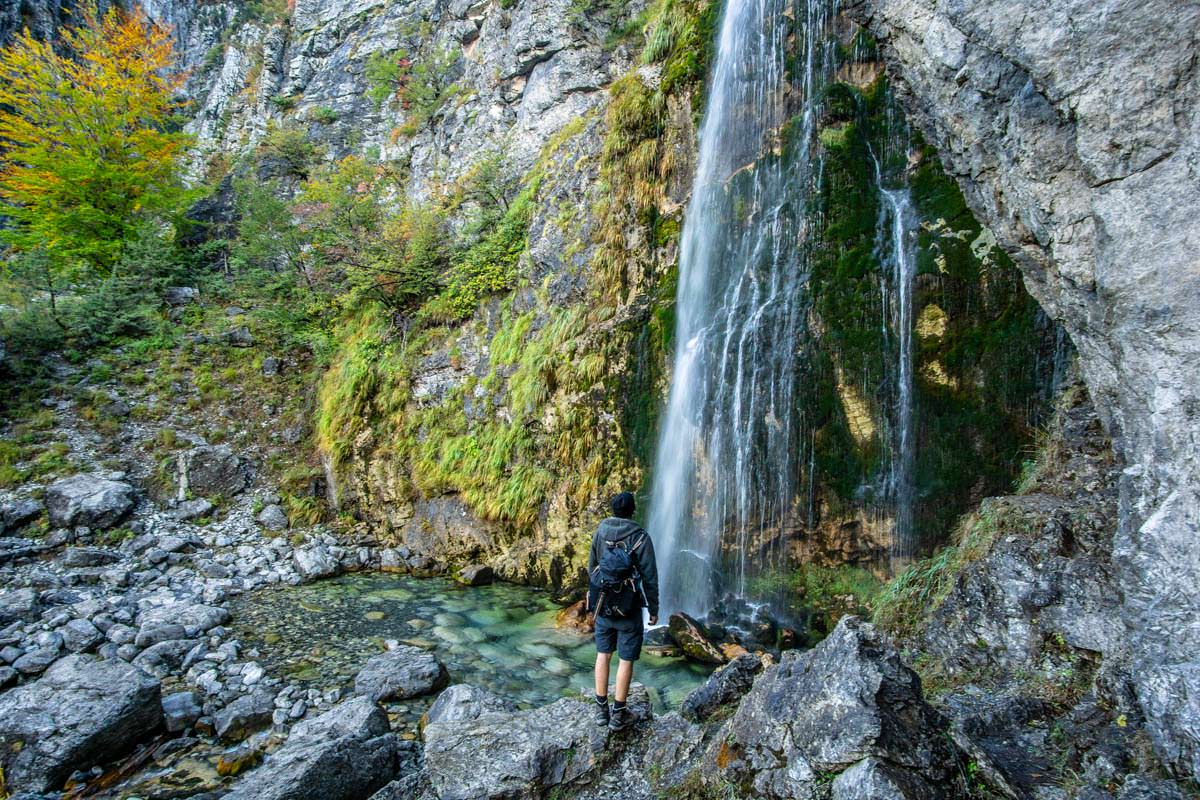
point(623, 505)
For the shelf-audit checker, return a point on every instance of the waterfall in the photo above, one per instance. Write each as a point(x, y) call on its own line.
point(730, 440)
point(898, 219)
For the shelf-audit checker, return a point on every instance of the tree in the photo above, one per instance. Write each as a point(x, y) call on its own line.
point(88, 150)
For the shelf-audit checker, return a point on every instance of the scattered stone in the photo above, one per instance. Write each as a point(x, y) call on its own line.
point(521, 754)
point(476, 575)
point(80, 635)
point(81, 712)
point(245, 715)
point(346, 753)
point(79, 557)
point(691, 640)
point(400, 673)
point(273, 518)
point(239, 337)
point(181, 710)
point(88, 500)
point(164, 658)
point(723, 688)
point(192, 509)
point(177, 296)
point(315, 562)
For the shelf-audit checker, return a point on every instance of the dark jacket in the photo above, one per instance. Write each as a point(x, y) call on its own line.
point(615, 529)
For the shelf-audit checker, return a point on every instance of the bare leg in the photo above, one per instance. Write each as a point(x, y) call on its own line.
point(602, 661)
point(624, 678)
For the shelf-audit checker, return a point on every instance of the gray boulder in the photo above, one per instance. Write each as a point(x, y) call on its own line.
point(18, 605)
point(181, 710)
point(239, 337)
point(210, 471)
point(347, 753)
point(245, 715)
point(821, 712)
point(19, 513)
point(476, 575)
point(192, 509)
point(515, 755)
point(164, 658)
point(8, 676)
point(178, 296)
point(400, 673)
point(315, 562)
point(37, 660)
point(196, 618)
point(273, 518)
point(723, 687)
point(80, 635)
point(80, 557)
point(464, 701)
point(80, 713)
point(89, 501)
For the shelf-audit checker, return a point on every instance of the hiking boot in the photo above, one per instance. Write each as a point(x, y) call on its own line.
point(622, 718)
point(600, 713)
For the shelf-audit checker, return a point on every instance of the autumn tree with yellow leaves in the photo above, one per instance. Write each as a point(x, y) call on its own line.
point(90, 150)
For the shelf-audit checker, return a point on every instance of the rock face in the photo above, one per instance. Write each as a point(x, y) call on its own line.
point(1074, 131)
point(527, 752)
point(725, 686)
point(80, 713)
point(400, 673)
point(345, 754)
point(848, 704)
point(88, 500)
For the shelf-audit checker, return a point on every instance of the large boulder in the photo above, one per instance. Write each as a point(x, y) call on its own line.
point(464, 701)
point(723, 688)
point(88, 500)
point(315, 562)
point(400, 673)
point(210, 471)
point(344, 754)
point(245, 715)
point(15, 514)
point(820, 713)
point(80, 713)
point(516, 755)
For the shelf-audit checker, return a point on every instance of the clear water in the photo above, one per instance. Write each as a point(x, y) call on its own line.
point(732, 444)
point(500, 637)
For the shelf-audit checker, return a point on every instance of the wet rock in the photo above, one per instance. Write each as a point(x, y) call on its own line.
point(80, 635)
point(239, 337)
point(89, 557)
point(192, 509)
point(18, 604)
point(688, 634)
point(273, 518)
point(400, 673)
point(516, 755)
point(212, 471)
point(859, 702)
point(723, 688)
point(245, 715)
point(344, 754)
point(181, 710)
point(315, 562)
point(464, 701)
point(178, 296)
point(476, 575)
point(88, 500)
point(81, 712)
point(19, 513)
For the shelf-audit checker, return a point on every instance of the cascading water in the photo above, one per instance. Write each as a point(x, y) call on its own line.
point(726, 469)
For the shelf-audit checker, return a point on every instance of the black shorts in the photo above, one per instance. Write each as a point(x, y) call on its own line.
point(626, 640)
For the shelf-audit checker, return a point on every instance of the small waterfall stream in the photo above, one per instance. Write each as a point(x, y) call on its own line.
point(731, 438)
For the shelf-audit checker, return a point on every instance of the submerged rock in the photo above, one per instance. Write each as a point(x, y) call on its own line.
point(517, 755)
point(575, 617)
point(80, 713)
point(401, 673)
point(344, 754)
point(88, 500)
point(822, 712)
point(691, 640)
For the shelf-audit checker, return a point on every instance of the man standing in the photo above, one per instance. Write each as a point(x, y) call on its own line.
point(623, 581)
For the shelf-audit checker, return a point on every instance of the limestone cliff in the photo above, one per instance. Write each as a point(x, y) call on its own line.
point(1074, 132)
